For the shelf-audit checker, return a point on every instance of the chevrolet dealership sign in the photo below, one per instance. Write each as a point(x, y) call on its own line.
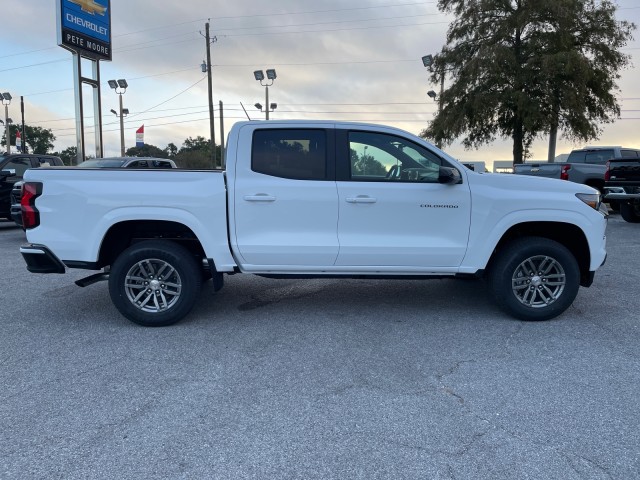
point(84, 26)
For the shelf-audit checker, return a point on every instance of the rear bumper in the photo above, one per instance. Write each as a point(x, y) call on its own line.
point(622, 193)
point(40, 259)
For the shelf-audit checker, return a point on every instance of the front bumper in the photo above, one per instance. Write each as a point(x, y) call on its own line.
point(40, 259)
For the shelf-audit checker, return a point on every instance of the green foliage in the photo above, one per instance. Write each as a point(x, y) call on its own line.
point(194, 160)
point(38, 139)
point(195, 154)
point(171, 150)
point(146, 150)
point(68, 155)
point(520, 68)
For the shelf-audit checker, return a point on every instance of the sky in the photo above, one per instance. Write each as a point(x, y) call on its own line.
point(357, 60)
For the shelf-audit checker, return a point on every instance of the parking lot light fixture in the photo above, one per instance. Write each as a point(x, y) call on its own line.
point(271, 76)
point(120, 86)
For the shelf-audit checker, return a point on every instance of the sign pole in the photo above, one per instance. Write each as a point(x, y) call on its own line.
point(77, 93)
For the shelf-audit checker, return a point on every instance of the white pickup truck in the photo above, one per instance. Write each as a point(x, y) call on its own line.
point(321, 199)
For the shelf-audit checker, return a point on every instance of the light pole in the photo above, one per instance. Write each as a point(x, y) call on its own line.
point(6, 101)
point(271, 76)
point(122, 85)
point(428, 61)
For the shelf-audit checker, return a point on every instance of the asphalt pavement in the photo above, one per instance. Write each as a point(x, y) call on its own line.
point(320, 379)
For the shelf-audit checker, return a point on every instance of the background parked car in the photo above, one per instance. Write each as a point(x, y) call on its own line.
point(128, 162)
point(114, 162)
point(12, 167)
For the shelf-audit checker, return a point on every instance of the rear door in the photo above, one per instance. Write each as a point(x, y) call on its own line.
point(285, 208)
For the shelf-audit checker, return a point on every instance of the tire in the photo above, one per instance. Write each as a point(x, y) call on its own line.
point(534, 278)
point(139, 288)
point(629, 212)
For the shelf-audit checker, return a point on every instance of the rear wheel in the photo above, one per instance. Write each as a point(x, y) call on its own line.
point(629, 212)
point(155, 283)
point(534, 278)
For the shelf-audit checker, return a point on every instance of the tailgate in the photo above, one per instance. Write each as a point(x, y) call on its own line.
point(547, 170)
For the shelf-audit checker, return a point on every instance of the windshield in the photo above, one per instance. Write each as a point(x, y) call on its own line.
point(101, 163)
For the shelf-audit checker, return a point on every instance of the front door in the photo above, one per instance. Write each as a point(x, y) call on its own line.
point(393, 211)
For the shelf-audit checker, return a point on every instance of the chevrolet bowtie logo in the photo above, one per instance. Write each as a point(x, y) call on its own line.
point(90, 6)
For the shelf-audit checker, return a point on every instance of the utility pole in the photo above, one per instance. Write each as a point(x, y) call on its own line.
point(221, 110)
point(24, 133)
point(211, 118)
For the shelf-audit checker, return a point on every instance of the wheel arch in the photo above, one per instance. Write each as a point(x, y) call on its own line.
point(123, 234)
point(569, 235)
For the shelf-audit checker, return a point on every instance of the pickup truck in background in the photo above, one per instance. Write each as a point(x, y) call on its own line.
point(586, 166)
point(622, 185)
point(314, 199)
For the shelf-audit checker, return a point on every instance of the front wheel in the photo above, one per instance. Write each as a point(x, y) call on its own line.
point(534, 278)
point(154, 283)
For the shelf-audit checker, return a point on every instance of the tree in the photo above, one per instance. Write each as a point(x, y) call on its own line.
point(196, 144)
point(195, 153)
point(171, 150)
point(522, 68)
point(38, 139)
point(146, 150)
point(68, 155)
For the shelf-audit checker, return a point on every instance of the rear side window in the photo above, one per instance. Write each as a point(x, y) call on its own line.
point(629, 153)
point(299, 154)
point(599, 156)
point(46, 161)
point(138, 164)
point(576, 157)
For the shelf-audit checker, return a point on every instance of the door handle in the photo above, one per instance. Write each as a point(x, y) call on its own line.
point(361, 199)
point(260, 197)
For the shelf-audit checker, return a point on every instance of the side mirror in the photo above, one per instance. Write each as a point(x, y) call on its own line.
point(10, 172)
point(449, 176)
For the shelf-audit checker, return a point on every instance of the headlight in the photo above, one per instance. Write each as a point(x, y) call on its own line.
point(592, 199)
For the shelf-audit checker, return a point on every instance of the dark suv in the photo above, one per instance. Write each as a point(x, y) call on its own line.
point(12, 167)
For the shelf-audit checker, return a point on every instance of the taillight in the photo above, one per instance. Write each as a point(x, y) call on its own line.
point(607, 172)
point(564, 173)
point(30, 214)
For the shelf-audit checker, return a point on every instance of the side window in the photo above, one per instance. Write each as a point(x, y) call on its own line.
point(138, 164)
point(44, 162)
point(629, 153)
point(576, 157)
point(20, 165)
point(298, 154)
point(599, 156)
point(160, 164)
point(382, 157)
